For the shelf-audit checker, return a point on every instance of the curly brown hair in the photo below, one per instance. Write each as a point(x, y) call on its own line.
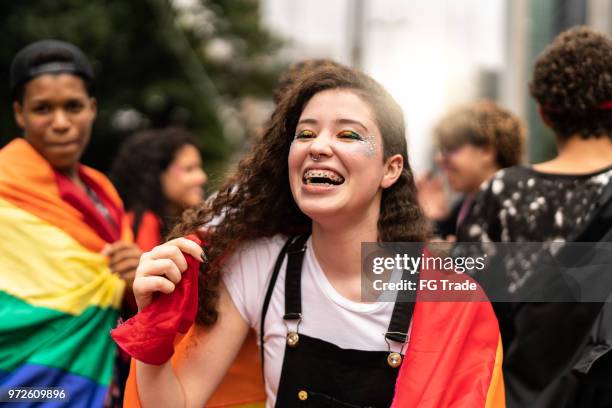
point(295, 72)
point(572, 78)
point(256, 201)
point(485, 124)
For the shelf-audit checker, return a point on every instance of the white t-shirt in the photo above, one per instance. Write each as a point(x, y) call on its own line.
point(326, 314)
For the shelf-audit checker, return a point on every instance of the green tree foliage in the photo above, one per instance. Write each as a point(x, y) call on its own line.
point(157, 62)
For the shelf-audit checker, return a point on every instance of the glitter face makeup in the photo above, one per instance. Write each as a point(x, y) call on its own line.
point(367, 144)
point(336, 167)
point(370, 143)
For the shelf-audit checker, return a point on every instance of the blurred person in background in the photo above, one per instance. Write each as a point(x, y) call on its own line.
point(158, 173)
point(556, 354)
point(474, 141)
point(66, 254)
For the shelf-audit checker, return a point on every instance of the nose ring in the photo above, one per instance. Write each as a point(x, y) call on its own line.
point(316, 157)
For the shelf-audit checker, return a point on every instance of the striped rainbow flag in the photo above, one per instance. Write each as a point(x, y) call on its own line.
point(453, 359)
point(58, 298)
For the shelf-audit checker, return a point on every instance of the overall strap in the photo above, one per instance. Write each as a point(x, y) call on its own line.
point(404, 308)
point(402, 312)
point(289, 245)
point(293, 279)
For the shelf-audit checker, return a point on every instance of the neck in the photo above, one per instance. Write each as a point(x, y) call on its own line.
point(338, 248)
point(580, 155)
point(580, 149)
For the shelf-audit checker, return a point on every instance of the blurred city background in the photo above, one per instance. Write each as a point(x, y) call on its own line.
point(210, 65)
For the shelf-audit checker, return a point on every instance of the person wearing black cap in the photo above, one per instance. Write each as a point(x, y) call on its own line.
point(67, 249)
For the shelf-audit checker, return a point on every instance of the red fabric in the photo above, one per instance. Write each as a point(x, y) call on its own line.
point(243, 383)
point(149, 230)
point(453, 358)
point(454, 351)
point(78, 198)
point(605, 105)
point(28, 181)
point(454, 345)
point(149, 336)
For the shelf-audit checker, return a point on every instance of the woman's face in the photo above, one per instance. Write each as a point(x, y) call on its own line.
point(56, 115)
point(336, 166)
point(183, 179)
point(467, 166)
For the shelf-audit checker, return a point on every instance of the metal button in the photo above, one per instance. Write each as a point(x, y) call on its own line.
point(394, 359)
point(292, 339)
point(303, 395)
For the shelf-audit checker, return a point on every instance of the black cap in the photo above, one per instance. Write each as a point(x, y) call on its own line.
point(47, 57)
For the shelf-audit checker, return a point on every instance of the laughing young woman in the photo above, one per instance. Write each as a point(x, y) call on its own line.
point(330, 172)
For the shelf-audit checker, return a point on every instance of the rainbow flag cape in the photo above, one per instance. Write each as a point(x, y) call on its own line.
point(453, 360)
point(58, 297)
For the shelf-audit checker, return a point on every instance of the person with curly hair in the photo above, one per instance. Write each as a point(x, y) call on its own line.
point(474, 141)
point(155, 198)
point(158, 173)
point(295, 72)
point(556, 201)
point(283, 257)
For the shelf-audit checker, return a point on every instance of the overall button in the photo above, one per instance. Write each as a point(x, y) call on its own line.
point(292, 339)
point(303, 395)
point(394, 359)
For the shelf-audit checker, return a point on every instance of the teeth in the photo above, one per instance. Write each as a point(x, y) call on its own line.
point(330, 175)
point(324, 173)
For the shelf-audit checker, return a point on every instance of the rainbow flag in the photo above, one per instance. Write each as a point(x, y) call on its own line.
point(58, 297)
point(453, 360)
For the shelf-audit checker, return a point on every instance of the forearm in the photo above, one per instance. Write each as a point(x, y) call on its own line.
point(158, 386)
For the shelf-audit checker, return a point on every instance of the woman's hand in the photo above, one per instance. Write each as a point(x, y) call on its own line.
point(160, 269)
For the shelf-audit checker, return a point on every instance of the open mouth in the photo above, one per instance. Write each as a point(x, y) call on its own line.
point(322, 178)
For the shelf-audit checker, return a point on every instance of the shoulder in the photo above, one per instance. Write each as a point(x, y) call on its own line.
point(506, 179)
point(94, 174)
point(247, 272)
point(483, 222)
point(260, 251)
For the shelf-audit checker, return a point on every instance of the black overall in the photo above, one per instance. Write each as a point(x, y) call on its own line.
point(319, 374)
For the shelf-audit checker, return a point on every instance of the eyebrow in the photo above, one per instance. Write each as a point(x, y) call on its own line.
point(342, 121)
point(36, 99)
